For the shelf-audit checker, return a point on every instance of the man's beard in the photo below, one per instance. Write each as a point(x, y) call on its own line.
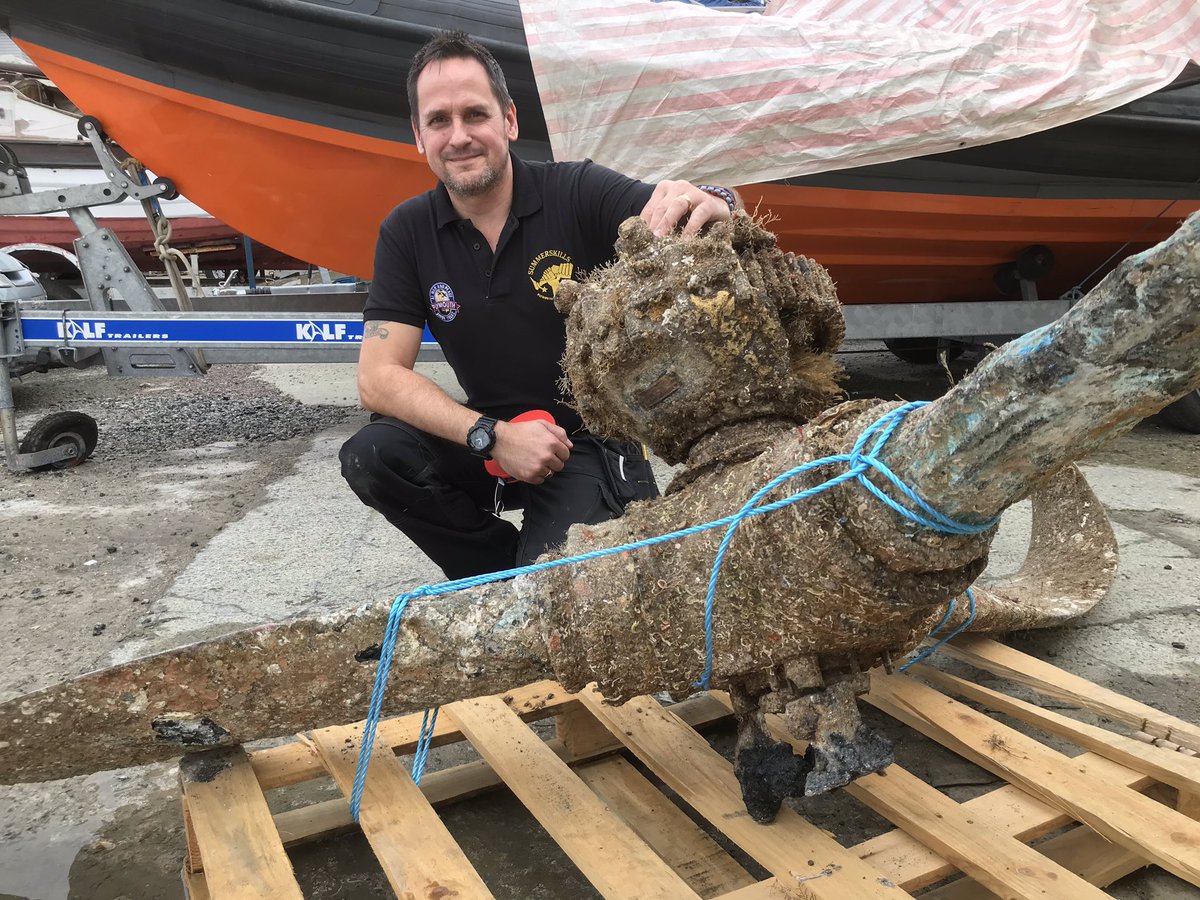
point(480, 184)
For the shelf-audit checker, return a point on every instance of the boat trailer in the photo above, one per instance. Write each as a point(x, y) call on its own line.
point(139, 332)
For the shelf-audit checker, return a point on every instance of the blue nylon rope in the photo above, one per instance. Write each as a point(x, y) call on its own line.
point(946, 618)
point(428, 722)
point(859, 466)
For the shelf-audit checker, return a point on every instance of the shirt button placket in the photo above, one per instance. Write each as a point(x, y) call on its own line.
point(487, 272)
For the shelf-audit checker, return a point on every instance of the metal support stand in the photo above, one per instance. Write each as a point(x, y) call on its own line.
point(124, 318)
point(11, 345)
point(8, 416)
point(108, 271)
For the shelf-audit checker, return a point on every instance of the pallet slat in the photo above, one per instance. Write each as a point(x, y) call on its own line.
point(1081, 850)
point(1189, 804)
point(1130, 819)
point(591, 834)
point(195, 887)
point(698, 859)
point(298, 761)
point(1051, 681)
point(1091, 856)
point(795, 850)
point(1006, 811)
point(243, 855)
point(417, 853)
point(330, 816)
point(1167, 766)
point(998, 862)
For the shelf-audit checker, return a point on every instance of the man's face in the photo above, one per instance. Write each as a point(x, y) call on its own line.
point(461, 128)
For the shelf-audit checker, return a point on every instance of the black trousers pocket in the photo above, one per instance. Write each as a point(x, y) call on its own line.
point(627, 473)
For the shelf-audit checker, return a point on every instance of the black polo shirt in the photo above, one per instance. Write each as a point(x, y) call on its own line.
point(494, 314)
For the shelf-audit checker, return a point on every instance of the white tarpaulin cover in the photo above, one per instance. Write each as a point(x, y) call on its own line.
point(668, 90)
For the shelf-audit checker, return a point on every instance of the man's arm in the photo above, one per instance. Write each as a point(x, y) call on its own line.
point(387, 384)
point(674, 201)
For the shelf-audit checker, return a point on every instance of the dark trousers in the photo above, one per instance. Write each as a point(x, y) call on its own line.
point(439, 495)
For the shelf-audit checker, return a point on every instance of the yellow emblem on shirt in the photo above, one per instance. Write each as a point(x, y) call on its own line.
point(548, 270)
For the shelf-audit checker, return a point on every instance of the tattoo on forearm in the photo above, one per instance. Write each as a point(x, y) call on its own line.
point(375, 329)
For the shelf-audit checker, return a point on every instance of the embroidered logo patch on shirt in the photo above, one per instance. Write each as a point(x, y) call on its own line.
point(442, 302)
point(548, 270)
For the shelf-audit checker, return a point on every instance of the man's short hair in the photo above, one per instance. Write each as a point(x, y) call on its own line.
point(456, 45)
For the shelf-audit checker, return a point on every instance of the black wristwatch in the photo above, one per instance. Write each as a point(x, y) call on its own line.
point(481, 437)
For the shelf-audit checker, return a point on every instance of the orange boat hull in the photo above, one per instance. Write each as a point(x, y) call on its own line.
point(318, 194)
point(893, 247)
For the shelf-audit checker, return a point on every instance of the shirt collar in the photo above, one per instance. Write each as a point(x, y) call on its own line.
point(526, 197)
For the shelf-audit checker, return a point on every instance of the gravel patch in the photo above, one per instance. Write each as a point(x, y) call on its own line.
point(139, 416)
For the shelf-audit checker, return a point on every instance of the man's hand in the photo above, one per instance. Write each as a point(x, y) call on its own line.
point(676, 201)
point(531, 451)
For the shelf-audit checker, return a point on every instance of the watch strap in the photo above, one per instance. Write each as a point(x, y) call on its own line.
point(723, 193)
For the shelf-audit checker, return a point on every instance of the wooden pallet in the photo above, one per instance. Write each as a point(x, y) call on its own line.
point(628, 840)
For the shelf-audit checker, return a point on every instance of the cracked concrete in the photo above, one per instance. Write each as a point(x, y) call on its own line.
point(1185, 610)
point(1162, 525)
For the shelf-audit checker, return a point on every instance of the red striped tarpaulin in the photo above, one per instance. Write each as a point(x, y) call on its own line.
point(669, 90)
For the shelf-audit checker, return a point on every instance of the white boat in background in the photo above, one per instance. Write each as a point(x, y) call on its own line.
point(12, 59)
point(24, 119)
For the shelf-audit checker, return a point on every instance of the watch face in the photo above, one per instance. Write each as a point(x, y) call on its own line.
point(479, 439)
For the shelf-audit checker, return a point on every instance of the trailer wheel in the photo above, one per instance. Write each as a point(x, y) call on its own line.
point(923, 351)
point(63, 428)
point(1184, 413)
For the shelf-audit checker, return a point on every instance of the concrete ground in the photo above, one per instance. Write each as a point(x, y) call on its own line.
point(230, 532)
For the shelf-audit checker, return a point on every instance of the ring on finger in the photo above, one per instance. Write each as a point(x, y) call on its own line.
point(686, 199)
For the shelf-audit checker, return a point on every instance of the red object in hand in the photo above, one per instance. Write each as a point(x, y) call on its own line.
point(534, 415)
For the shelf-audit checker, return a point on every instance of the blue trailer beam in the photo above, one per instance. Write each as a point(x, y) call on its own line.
point(201, 330)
